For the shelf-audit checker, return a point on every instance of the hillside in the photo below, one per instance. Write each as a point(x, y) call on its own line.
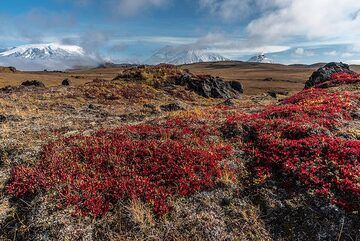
point(139, 153)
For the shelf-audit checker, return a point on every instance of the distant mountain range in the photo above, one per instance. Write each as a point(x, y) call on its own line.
point(183, 55)
point(52, 56)
point(55, 56)
point(261, 58)
point(44, 51)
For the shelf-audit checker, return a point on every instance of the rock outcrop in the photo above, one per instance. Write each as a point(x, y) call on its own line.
point(35, 83)
point(211, 87)
point(324, 74)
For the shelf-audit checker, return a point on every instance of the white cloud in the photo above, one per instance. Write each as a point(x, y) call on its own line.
point(353, 61)
point(303, 52)
point(132, 7)
point(238, 9)
point(331, 53)
point(239, 51)
point(299, 51)
point(319, 19)
point(347, 55)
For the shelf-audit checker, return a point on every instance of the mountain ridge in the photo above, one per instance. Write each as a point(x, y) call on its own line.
point(183, 55)
point(261, 58)
point(43, 51)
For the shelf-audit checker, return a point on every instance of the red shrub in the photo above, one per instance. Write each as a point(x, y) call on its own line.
point(296, 139)
point(138, 162)
point(340, 78)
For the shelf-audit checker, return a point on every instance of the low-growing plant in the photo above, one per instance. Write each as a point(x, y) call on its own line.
point(296, 139)
point(339, 79)
point(147, 163)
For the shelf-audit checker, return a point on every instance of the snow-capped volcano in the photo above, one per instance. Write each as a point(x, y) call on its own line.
point(53, 56)
point(44, 51)
point(183, 55)
point(261, 58)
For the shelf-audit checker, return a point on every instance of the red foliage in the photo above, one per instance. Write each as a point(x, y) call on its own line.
point(339, 79)
point(138, 162)
point(182, 155)
point(296, 139)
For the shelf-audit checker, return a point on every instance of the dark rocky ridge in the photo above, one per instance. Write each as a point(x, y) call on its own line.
point(211, 87)
point(35, 83)
point(324, 74)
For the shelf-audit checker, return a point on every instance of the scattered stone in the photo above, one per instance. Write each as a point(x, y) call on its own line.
point(35, 83)
point(7, 89)
point(323, 74)
point(356, 115)
point(131, 117)
point(2, 118)
point(149, 106)
point(229, 102)
point(237, 86)
point(12, 69)
point(92, 107)
point(225, 202)
point(171, 107)
point(66, 82)
point(275, 93)
point(268, 79)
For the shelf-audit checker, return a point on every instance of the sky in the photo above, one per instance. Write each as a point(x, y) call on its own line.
point(289, 31)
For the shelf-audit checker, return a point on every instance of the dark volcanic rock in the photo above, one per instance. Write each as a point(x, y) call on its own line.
point(12, 69)
point(323, 74)
point(275, 93)
point(149, 106)
point(2, 118)
point(228, 102)
point(171, 107)
point(65, 82)
point(35, 83)
point(211, 87)
point(237, 86)
point(7, 89)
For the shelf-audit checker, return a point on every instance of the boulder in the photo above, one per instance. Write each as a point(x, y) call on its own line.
point(237, 86)
point(149, 106)
point(209, 86)
point(324, 74)
point(7, 89)
point(171, 107)
point(35, 83)
point(228, 102)
point(2, 118)
point(275, 93)
point(66, 82)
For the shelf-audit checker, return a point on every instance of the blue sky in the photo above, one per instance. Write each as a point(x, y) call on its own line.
point(290, 31)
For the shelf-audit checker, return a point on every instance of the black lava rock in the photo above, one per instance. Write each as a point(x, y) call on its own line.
point(275, 93)
point(237, 86)
point(171, 107)
point(2, 118)
point(35, 83)
point(323, 74)
point(209, 86)
point(228, 102)
point(66, 82)
point(7, 89)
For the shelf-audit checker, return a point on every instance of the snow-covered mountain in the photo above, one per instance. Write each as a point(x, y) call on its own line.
point(44, 51)
point(52, 56)
point(261, 58)
point(183, 55)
